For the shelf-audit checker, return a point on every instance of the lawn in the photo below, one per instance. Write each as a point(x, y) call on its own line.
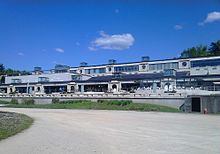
point(13, 123)
point(100, 105)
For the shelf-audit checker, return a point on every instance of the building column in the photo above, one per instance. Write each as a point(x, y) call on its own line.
point(10, 89)
point(38, 89)
point(114, 86)
point(82, 89)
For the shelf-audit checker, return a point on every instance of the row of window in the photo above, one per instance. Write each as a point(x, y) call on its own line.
point(131, 68)
point(95, 71)
point(40, 79)
point(204, 63)
point(153, 67)
point(163, 66)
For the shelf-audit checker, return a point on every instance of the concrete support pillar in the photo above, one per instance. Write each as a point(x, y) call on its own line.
point(10, 89)
point(72, 88)
point(69, 88)
point(154, 87)
point(38, 88)
point(114, 86)
point(82, 89)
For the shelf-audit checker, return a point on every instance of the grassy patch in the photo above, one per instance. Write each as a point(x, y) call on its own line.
point(100, 105)
point(13, 123)
point(3, 102)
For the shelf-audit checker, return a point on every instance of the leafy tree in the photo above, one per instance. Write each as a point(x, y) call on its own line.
point(2, 68)
point(215, 48)
point(198, 51)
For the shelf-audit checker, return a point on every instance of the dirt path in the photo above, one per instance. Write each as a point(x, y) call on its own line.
point(90, 131)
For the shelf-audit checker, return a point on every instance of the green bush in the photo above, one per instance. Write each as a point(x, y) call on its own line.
point(28, 101)
point(101, 101)
point(118, 102)
point(55, 100)
point(14, 101)
point(74, 101)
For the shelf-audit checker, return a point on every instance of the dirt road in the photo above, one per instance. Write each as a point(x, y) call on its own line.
point(90, 131)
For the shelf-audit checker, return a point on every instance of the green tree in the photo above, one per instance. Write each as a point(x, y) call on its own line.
point(2, 68)
point(198, 51)
point(215, 48)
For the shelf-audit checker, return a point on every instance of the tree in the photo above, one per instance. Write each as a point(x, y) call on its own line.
point(2, 68)
point(215, 48)
point(198, 51)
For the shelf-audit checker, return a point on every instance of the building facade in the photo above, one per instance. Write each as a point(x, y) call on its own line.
point(168, 75)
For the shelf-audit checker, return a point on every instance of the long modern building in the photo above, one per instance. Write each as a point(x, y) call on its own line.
point(168, 75)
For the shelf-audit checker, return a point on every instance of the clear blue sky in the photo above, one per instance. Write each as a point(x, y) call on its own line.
point(48, 32)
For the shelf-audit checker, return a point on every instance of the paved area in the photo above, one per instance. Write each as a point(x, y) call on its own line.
point(90, 131)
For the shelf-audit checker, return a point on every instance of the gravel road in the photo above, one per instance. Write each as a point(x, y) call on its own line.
point(90, 131)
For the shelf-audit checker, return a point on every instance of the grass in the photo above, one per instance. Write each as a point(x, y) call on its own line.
point(100, 105)
point(13, 123)
point(3, 102)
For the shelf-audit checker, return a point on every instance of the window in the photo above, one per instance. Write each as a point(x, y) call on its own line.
point(43, 79)
point(15, 80)
point(131, 68)
point(204, 63)
point(184, 64)
point(76, 77)
point(162, 66)
point(73, 71)
point(95, 71)
point(143, 67)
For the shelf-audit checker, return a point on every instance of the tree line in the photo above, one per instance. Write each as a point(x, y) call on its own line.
point(202, 51)
point(11, 72)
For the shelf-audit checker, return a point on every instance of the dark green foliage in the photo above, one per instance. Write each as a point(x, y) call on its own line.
point(28, 101)
point(14, 101)
point(202, 51)
point(55, 100)
point(198, 51)
point(115, 102)
point(74, 101)
point(11, 72)
point(4, 102)
point(215, 48)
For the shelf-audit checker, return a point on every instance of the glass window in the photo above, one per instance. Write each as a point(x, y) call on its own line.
point(15, 80)
point(76, 77)
point(203, 63)
point(131, 68)
point(43, 79)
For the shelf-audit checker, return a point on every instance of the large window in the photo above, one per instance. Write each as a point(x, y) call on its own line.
point(163, 66)
point(76, 77)
point(95, 71)
point(131, 68)
point(15, 80)
point(204, 63)
point(43, 79)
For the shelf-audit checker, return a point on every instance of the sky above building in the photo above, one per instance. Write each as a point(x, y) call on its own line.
point(49, 32)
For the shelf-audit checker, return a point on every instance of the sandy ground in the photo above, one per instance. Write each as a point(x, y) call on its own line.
point(90, 131)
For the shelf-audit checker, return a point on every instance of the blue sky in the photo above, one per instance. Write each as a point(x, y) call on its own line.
point(45, 32)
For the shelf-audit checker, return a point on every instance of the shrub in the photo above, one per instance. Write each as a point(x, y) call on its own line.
point(118, 102)
point(28, 101)
point(74, 101)
point(101, 101)
point(14, 101)
point(55, 100)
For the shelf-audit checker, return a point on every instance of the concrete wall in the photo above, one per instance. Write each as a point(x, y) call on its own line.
point(212, 103)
